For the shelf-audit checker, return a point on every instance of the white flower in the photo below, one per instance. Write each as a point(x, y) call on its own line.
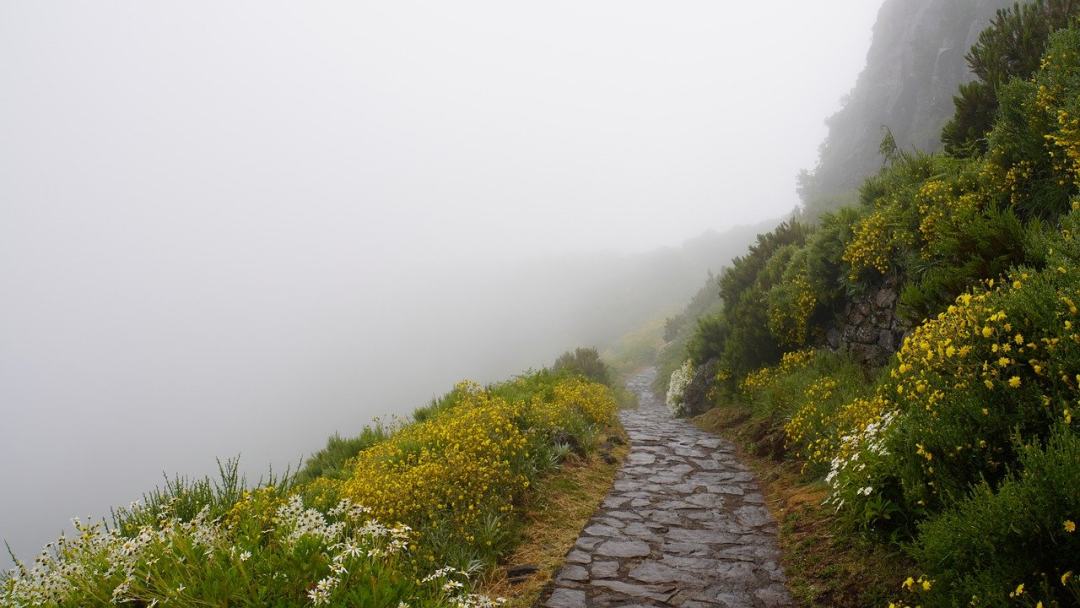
point(680, 379)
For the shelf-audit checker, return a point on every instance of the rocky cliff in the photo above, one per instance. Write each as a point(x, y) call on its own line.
point(914, 67)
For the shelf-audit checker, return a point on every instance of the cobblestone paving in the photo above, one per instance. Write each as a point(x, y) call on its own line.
point(684, 525)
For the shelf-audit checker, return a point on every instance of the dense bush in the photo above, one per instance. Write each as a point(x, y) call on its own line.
point(586, 363)
point(1034, 147)
point(1010, 48)
point(997, 367)
point(1019, 533)
point(459, 474)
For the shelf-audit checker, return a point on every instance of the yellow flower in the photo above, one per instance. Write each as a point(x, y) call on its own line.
point(909, 583)
point(1014, 382)
point(1019, 590)
point(987, 331)
point(926, 585)
point(1065, 577)
point(1070, 526)
point(989, 384)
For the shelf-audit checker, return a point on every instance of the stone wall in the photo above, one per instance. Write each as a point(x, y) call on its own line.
point(868, 327)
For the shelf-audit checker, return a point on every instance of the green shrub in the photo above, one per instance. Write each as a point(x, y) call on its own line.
point(978, 244)
point(1014, 533)
point(1035, 143)
point(998, 364)
point(585, 362)
point(1010, 48)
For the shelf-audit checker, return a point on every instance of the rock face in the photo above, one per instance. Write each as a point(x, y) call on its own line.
point(684, 525)
point(914, 67)
point(868, 327)
point(695, 397)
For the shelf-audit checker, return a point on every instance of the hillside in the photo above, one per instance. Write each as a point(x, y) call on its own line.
point(872, 403)
point(914, 67)
point(909, 362)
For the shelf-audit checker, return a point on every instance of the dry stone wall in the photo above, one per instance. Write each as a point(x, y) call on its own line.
point(868, 327)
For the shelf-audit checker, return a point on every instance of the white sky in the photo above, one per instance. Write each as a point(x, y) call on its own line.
point(212, 212)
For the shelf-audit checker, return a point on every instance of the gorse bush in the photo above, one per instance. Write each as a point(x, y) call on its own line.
point(998, 365)
point(1021, 532)
point(1009, 49)
point(403, 520)
point(460, 473)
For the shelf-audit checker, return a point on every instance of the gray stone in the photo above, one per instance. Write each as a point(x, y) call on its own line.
point(573, 573)
point(578, 556)
point(638, 591)
point(656, 572)
point(604, 569)
point(602, 530)
point(566, 598)
point(623, 548)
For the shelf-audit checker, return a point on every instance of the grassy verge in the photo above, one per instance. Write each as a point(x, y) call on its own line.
point(554, 516)
point(825, 567)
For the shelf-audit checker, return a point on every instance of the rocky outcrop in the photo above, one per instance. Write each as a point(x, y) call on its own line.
point(869, 327)
point(914, 67)
point(696, 395)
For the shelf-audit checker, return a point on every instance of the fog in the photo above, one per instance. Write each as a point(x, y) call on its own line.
point(236, 228)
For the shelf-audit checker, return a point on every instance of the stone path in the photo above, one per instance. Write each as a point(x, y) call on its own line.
point(684, 525)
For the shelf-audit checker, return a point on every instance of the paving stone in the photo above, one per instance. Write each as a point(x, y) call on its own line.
point(684, 525)
point(573, 572)
point(578, 556)
point(604, 569)
point(651, 571)
point(602, 530)
point(562, 597)
point(623, 548)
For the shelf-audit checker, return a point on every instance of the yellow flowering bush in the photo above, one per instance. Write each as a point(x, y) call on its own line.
point(1035, 145)
point(999, 363)
point(1056, 97)
point(791, 361)
point(944, 206)
point(454, 465)
point(791, 303)
point(870, 245)
point(463, 469)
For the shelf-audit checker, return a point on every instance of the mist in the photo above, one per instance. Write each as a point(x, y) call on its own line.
point(239, 228)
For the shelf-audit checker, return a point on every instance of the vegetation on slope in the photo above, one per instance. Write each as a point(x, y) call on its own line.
point(409, 515)
point(961, 450)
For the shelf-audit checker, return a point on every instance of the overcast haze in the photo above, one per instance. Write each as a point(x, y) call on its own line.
point(238, 227)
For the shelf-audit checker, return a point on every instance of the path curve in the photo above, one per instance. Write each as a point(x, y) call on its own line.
point(684, 525)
